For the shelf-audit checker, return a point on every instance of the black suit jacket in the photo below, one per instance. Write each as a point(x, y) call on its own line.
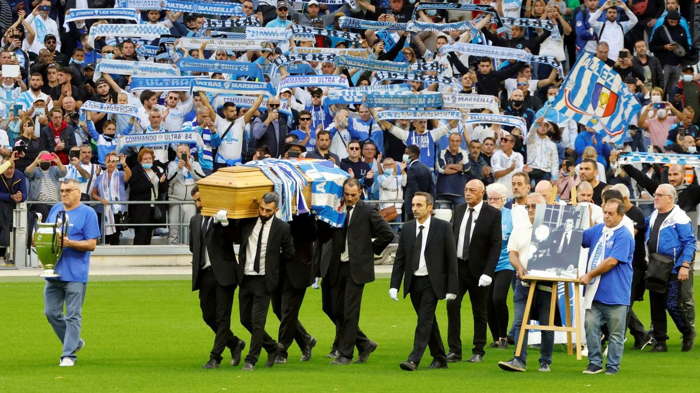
point(67, 137)
point(280, 249)
point(418, 178)
point(268, 139)
point(299, 271)
point(219, 247)
point(365, 224)
point(485, 243)
point(440, 258)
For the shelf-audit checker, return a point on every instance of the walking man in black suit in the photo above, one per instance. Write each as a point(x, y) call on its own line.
point(215, 273)
point(427, 261)
point(266, 244)
point(351, 266)
point(295, 275)
point(418, 178)
point(478, 235)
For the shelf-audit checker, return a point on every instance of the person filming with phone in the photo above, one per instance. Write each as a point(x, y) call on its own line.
point(658, 117)
point(183, 173)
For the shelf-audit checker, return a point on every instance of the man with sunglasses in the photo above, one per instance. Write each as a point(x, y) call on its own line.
point(506, 162)
point(69, 288)
point(305, 134)
point(270, 129)
point(282, 19)
point(43, 26)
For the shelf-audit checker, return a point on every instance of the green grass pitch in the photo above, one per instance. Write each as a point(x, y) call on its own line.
point(146, 335)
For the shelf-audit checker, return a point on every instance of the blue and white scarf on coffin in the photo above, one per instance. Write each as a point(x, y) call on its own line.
point(158, 138)
point(326, 190)
point(78, 14)
point(179, 83)
point(419, 115)
point(597, 257)
point(499, 52)
point(267, 33)
point(220, 44)
point(281, 184)
point(204, 7)
point(403, 100)
point(336, 81)
point(470, 101)
point(218, 86)
point(659, 158)
point(504, 120)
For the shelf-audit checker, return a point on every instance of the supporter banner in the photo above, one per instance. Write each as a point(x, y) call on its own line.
point(372, 65)
point(220, 44)
point(659, 158)
point(300, 68)
point(317, 57)
point(236, 68)
point(180, 83)
point(459, 7)
point(141, 4)
point(347, 22)
point(307, 30)
point(78, 14)
point(96, 106)
point(403, 100)
point(357, 52)
point(427, 66)
point(529, 22)
point(414, 76)
point(147, 50)
point(226, 24)
point(157, 138)
point(499, 52)
point(504, 120)
point(417, 26)
point(145, 31)
point(267, 33)
point(247, 102)
point(593, 94)
point(356, 95)
point(419, 115)
point(204, 7)
point(470, 101)
point(219, 86)
point(126, 67)
point(336, 81)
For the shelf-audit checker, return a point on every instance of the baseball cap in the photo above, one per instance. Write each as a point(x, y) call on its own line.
point(286, 89)
point(46, 157)
point(673, 15)
point(282, 4)
point(49, 36)
point(312, 2)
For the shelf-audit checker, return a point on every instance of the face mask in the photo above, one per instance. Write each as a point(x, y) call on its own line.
point(406, 158)
point(661, 113)
point(147, 166)
point(551, 98)
point(108, 56)
point(431, 12)
point(687, 78)
point(45, 166)
point(516, 103)
point(692, 149)
point(73, 61)
point(655, 99)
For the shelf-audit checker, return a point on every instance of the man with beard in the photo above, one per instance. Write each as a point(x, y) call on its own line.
point(270, 129)
point(322, 150)
point(27, 98)
point(215, 273)
point(237, 141)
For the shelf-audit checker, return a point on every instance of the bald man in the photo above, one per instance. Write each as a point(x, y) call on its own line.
point(477, 229)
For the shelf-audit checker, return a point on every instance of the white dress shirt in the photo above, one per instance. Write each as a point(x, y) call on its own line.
point(206, 222)
point(345, 255)
point(463, 228)
point(422, 267)
point(251, 248)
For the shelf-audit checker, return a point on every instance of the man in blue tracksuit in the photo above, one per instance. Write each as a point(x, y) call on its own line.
point(670, 233)
point(585, 36)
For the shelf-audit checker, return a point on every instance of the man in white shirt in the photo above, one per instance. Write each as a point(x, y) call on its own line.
point(236, 133)
point(177, 106)
point(610, 30)
point(584, 196)
point(43, 25)
point(505, 162)
point(542, 154)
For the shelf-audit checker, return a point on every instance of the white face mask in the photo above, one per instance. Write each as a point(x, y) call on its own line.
point(692, 149)
point(661, 113)
point(655, 99)
point(687, 77)
point(550, 98)
point(406, 158)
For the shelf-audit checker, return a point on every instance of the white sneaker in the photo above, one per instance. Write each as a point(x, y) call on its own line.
point(67, 362)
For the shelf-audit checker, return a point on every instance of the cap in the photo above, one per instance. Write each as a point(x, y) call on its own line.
point(312, 2)
point(286, 89)
point(20, 143)
point(90, 66)
point(282, 4)
point(316, 91)
point(46, 157)
point(630, 79)
point(46, 37)
point(673, 15)
point(297, 144)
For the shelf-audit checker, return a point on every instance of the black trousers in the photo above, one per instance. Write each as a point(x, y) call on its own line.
point(635, 326)
point(286, 304)
point(427, 332)
point(143, 235)
point(679, 302)
point(216, 303)
point(254, 301)
point(479, 299)
point(498, 303)
point(327, 307)
point(347, 300)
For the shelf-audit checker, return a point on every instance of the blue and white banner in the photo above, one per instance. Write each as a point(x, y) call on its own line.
point(347, 22)
point(370, 64)
point(268, 33)
point(142, 68)
point(659, 158)
point(248, 101)
point(413, 76)
point(417, 26)
point(204, 7)
point(326, 191)
point(499, 52)
point(101, 107)
point(336, 81)
point(470, 101)
point(291, 58)
point(228, 24)
point(356, 95)
point(301, 30)
point(79, 14)
point(545, 24)
point(157, 138)
point(235, 68)
point(147, 50)
point(219, 44)
point(504, 120)
point(218, 86)
point(468, 7)
point(180, 83)
point(143, 5)
point(144, 31)
point(358, 52)
point(419, 115)
point(593, 94)
point(403, 100)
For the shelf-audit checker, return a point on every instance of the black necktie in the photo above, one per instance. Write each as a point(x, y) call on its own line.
point(417, 247)
point(256, 261)
point(345, 227)
point(467, 235)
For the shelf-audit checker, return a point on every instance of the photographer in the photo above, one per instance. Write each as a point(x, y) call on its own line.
point(183, 172)
point(28, 145)
point(82, 169)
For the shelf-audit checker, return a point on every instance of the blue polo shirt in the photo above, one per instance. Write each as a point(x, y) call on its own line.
point(615, 285)
point(82, 225)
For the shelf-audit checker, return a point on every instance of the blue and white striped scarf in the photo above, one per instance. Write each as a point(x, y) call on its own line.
point(326, 190)
point(173, 83)
point(404, 100)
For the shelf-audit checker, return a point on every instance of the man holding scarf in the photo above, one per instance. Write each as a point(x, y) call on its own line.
point(608, 283)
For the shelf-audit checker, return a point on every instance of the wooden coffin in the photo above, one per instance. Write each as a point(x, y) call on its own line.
point(237, 190)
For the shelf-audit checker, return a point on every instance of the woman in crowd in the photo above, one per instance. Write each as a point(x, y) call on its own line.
point(110, 186)
point(144, 185)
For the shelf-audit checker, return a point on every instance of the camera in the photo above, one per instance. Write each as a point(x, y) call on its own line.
point(74, 154)
point(20, 148)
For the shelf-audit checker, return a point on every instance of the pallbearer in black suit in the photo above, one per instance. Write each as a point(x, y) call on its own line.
point(266, 243)
point(295, 275)
point(477, 230)
point(215, 273)
point(427, 262)
point(351, 266)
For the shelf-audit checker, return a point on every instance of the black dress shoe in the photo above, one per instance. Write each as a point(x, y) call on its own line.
point(364, 354)
point(476, 358)
point(306, 352)
point(453, 357)
point(212, 363)
point(341, 361)
point(408, 366)
point(438, 364)
point(333, 354)
point(688, 342)
point(281, 359)
point(659, 347)
point(236, 352)
point(248, 367)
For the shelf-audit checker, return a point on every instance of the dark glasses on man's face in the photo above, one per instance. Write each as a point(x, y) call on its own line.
point(305, 119)
point(353, 148)
point(274, 105)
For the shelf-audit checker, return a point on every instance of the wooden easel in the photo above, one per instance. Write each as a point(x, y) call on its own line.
point(577, 328)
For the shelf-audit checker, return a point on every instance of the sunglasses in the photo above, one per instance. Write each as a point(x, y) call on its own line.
point(506, 140)
point(305, 118)
point(282, 9)
point(353, 148)
point(104, 52)
point(274, 105)
point(532, 206)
